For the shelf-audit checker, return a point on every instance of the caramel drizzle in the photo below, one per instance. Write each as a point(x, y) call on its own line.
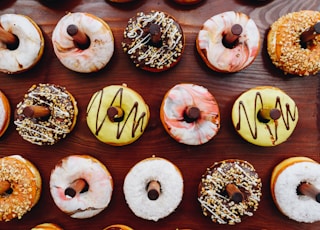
point(133, 111)
point(286, 115)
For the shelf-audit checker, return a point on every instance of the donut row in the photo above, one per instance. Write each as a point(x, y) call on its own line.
point(154, 41)
point(117, 115)
point(228, 192)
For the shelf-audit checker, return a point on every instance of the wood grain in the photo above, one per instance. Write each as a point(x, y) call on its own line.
point(192, 160)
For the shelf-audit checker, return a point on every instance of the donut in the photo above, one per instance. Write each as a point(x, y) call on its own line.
point(5, 113)
point(187, 2)
point(295, 188)
point(81, 186)
point(46, 114)
point(47, 226)
point(229, 191)
point(264, 116)
point(153, 188)
point(20, 187)
point(21, 43)
point(292, 43)
point(121, 1)
point(190, 114)
point(228, 42)
point(118, 227)
point(117, 115)
point(83, 42)
point(154, 41)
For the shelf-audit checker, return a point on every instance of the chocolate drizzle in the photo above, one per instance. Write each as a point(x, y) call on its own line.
point(286, 115)
point(137, 121)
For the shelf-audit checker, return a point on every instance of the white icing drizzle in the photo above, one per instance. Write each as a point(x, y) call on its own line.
point(153, 56)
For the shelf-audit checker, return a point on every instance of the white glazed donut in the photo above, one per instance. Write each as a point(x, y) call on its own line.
point(171, 188)
point(89, 200)
point(286, 177)
point(30, 47)
point(212, 49)
point(90, 59)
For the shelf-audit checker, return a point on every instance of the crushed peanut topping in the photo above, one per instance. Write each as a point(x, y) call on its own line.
point(136, 42)
point(23, 184)
point(284, 43)
point(213, 196)
point(46, 131)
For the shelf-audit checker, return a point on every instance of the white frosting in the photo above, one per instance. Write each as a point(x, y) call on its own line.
point(96, 56)
point(298, 207)
point(225, 59)
point(136, 182)
point(86, 204)
point(3, 114)
point(30, 43)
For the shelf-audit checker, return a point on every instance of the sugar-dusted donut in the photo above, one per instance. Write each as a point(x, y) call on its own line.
point(228, 42)
point(47, 226)
point(229, 191)
point(83, 42)
point(295, 188)
point(292, 43)
point(117, 115)
point(265, 115)
point(20, 187)
point(21, 43)
point(153, 188)
point(154, 41)
point(190, 114)
point(46, 114)
point(81, 186)
point(118, 227)
point(5, 113)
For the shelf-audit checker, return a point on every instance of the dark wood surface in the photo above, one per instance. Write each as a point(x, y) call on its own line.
point(192, 160)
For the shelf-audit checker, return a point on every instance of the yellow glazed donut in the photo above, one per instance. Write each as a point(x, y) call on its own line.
point(154, 41)
point(81, 186)
point(118, 227)
point(190, 114)
point(290, 48)
point(46, 114)
point(295, 188)
point(264, 116)
point(228, 42)
point(5, 112)
point(117, 115)
point(153, 188)
point(47, 226)
point(83, 42)
point(21, 43)
point(20, 187)
point(229, 191)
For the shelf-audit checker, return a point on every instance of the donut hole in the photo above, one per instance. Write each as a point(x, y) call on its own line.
point(83, 46)
point(230, 45)
point(14, 45)
point(71, 192)
point(153, 189)
point(8, 192)
point(262, 119)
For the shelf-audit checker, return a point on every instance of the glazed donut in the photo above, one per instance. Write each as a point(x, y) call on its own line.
point(264, 116)
point(81, 186)
point(20, 187)
point(83, 42)
point(117, 115)
point(154, 41)
point(290, 46)
point(190, 114)
point(21, 43)
point(118, 227)
point(46, 114)
point(153, 188)
point(5, 113)
point(47, 226)
point(228, 42)
point(229, 191)
point(187, 2)
point(295, 188)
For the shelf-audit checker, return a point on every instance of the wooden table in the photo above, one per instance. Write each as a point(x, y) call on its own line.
point(192, 160)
